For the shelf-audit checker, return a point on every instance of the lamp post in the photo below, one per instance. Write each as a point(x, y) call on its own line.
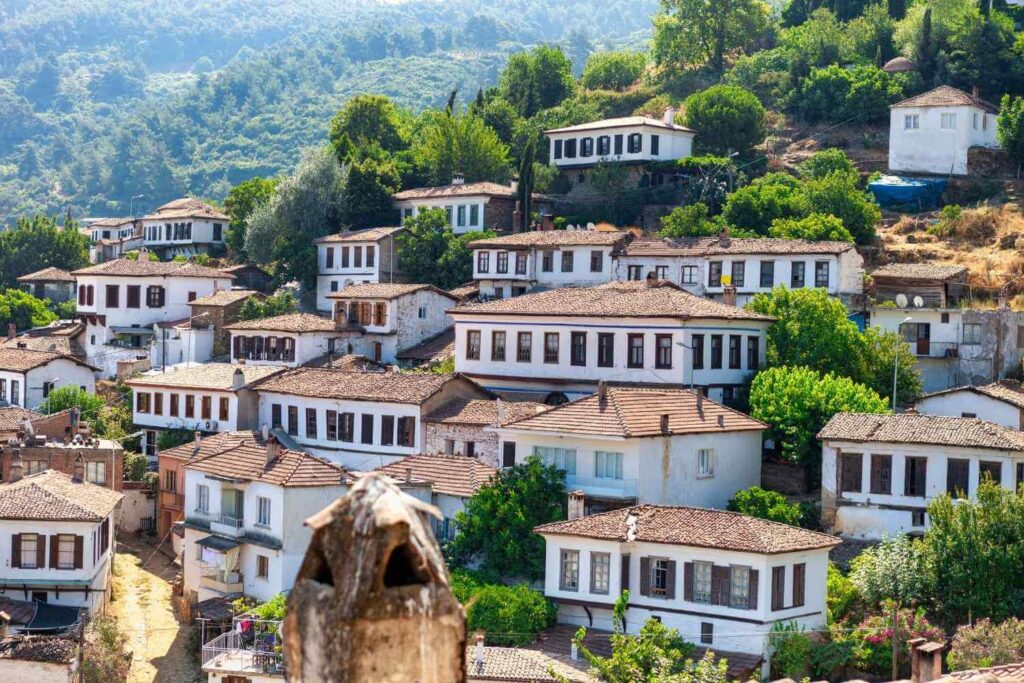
point(896, 361)
point(131, 204)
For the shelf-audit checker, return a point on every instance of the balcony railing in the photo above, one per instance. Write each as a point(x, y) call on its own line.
point(235, 653)
point(170, 499)
point(228, 525)
point(602, 487)
point(924, 348)
point(221, 581)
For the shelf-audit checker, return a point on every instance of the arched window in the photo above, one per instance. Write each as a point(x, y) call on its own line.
point(556, 398)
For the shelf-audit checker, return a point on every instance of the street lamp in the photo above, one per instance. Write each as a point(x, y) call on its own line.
point(896, 362)
point(131, 204)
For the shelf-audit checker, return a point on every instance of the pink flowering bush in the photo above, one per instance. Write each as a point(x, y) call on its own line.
point(872, 639)
point(987, 644)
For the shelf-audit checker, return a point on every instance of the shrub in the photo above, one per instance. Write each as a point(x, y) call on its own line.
point(770, 197)
point(842, 596)
point(987, 644)
point(872, 639)
point(727, 119)
point(835, 94)
point(791, 651)
point(764, 504)
point(838, 195)
point(612, 70)
point(510, 615)
point(136, 465)
point(657, 653)
point(689, 221)
point(895, 569)
point(816, 226)
point(103, 655)
point(824, 163)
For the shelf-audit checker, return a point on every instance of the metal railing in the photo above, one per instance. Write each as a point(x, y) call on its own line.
point(930, 349)
point(603, 486)
point(241, 653)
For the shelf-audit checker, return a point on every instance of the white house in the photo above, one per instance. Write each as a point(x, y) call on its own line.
point(626, 445)
point(1001, 402)
point(292, 339)
point(557, 345)
point(355, 257)
point(721, 578)
point(515, 264)
point(880, 472)
point(49, 283)
point(246, 500)
point(112, 238)
point(932, 132)
point(208, 398)
point(27, 377)
point(706, 265)
point(121, 303)
point(630, 139)
point(360, 419)
point(57, 537)
point(185, 227)
point(470, 206)
point(383, 320)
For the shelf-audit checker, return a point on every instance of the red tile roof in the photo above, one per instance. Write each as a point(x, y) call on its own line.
point(22, 360)
point(482, 411)
point(382, 387)
point(55, 496)
point(946, 96)
point(146, 268)
point(384, 290)
point(453, 475)
point(243, 455)
point(553, 238)
point(934, 430)
point(621, 122)
point(920, 271)
point(297, 323)
point(50, 274)
point(365, 235)
point(458, 190)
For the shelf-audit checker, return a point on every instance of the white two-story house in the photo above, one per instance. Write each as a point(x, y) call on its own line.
point(880, 472)
point(721, 578)
point(112, 238)
point(470, 206)
point(27, 377)
point(292, 339)
point(122, 302)
point(362, 420)
point(932, 132)
point(556, 345)
point(383, 320)
point(185, 227)
point(57, 537)
point(246, 499)
point(355, 257)
point(626, 445)
point(1001, 402)
point(516, 264)
point(705, 265)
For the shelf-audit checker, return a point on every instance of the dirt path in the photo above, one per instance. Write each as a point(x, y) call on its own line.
point(142, 606)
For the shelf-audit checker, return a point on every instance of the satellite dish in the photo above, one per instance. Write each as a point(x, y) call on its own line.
point(918, 302)
point(901, 300)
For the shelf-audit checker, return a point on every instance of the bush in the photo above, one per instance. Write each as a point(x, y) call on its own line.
point(835, 94)
point(612, 70)
point(764, 504)
point(509, 615)
point(871, 640)
point(842, 597)
point(136, 465)
point(895, 569)
point(24, 310)
point(987, 644)
point(838, 195)
point(770, 197)
point(791, 651)
point(103, 658)
point(170, 438)
point(824, 163)
point(816, 226)
point(689, 221)
point(727, 119)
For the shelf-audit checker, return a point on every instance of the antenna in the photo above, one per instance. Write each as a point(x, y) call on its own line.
point(901, 300)
point(918, 302)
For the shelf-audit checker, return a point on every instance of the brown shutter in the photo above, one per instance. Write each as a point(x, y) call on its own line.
point(54, 550)
point(624, 578)
point(79, 551)
point(688, 581)
point(41, 550)
point(16, 551)
point(799, 572)
point(716, 585)
point(778, 587)
point(645, 576)
point(670, 588)
point(752, 590)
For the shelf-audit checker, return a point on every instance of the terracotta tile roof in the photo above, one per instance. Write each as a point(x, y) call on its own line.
point(621, 122)
point(47, 649)
point(107, 223)
point(714, 246)
point(635, 413)
point(384, 387)
point(458, 190)
point(946, 96)
point(50, 274)
point(350, 362)
point(146, 268)
point(53, 495)
point(638, 299)
point(224, 297)
point(1007, 390)
point(365, 235)
point(1003, 672)
point(514, 665)
point(22, 360)
point(205, 376)
point(438, 347)
point(935, 430)
point(695, 527)
point(470, 290)
point(384, 290)
point(289, 322)
point(187, 207)
point(243, 455)
point(844, 553)
point(242, 267)
point(11, 417)
point(453, 475)
point(552, 238)
point(55, 343)
point(663, 246)
point(482, 411)
point(208, 445)
point(920, 271)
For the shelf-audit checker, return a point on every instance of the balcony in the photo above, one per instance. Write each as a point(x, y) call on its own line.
point(601, 487)
point(245, 654)
point(925, 348)
point(226, 525)
point(221, 581)
point(172, 501)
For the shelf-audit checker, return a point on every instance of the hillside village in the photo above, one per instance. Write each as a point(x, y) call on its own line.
point(634, 385)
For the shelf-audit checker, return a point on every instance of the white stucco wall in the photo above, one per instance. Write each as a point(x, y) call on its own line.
point(957, 403)
point(673, 144)
point(580, 275)
point(932, 149)
point(61, 372)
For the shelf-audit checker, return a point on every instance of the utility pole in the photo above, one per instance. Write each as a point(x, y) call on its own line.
point(896, 628)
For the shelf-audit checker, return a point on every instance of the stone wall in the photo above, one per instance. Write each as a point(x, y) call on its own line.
point(62, 458)
point(485, 444)
point(498, 214)
point(217, 317)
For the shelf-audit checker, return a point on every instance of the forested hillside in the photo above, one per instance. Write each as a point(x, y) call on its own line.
point(101, 100)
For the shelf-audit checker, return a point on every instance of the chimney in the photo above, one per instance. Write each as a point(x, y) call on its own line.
point(22, 345)
point(700, 401)
point(458, 179)
point(479, 656)
point(925, 660)
point(669, 116)
point(79, 470)
point(602, 392)
point(575, 510)
point(408, 475)
point(664, 423)
point(976, 92)
point(650, 279)
point(12, 331)
point(729, 295)
point(721, 420)
point(273, 449)
point(723, 237)
point(238, 379)
point(16, 469)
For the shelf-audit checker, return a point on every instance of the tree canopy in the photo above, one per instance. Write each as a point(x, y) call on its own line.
point(38, 242)
point(727, 119)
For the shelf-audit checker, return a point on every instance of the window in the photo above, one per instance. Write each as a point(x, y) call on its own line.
point(989, 469)
point(558, 149)
point(206, 406)
point(957, 476)
point(311, 431)
point(605, 349)
point(702, 572)
point(474, 215)
point(767, 274)
point(508, 454)
point(634, 272)
point(739, 270)
point(501, 266)
point(497, 346)
point(547, 262)
point(569, 577)
point(562, 458)
point(917, 518)
point(223, 408)
point(697, 352)
point(911, 122)
point(357, 257)
point(262, 511)
point(202, 498)
point(634, 350)
point(567, 261)
point(607, 465)
point(715, 274)
point(716, 352)
point(578, 348)
point(600, 572)
point(483, 261)
point(948, 122)
point(604, 145)
point(654, 144)
point(799, 584)
point(635, 143)
point(821, 274)
point(275, 415)
point(596, 261)
point(134, 296)
point(851, 468)
point(469, 449)
point(663, 351)
point(142, 403)
point(705, 463)
point(89, 292)
point(689, 275)
point(387, 430)
point(293, 419)
point(550, 347)
point(915, 480)
point(661, 272)
point(570, 148)
point(366, 429)
point(262, 567)
point(660, 577)
point(15, 392)
point(65, 552)
point(31, 550)
point(618, 144)
point(113, 296)
point(96, 473)
point(972, 333)
point(344, 257)
point(735, 353)
point(739, 586)
point(329, 257)
point(170, 481)
point(473, 345)
point(796, 279)
point(881, 474)
point(707, 633)
point(191, 296)
point(524, 347)
point(520, 263)
point(778, 588)
point(586, 147)
point(173, 407)
point(753, 353)
point(347, 427)
point(407, 434)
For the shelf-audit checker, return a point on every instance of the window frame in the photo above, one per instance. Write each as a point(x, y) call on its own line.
point(569, 570)
point(473, 344)
point(551, 352)
point(600, 573)
point(663, 351)
point(634, 351)
point(605, 349)
point(498, 346)
point(524, 351)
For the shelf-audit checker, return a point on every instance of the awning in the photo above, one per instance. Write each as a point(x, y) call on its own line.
point(133, 330)
point(52, 618)
point(218, 543)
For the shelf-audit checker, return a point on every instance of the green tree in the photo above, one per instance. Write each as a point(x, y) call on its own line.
point(895, 569)
point(367, 120)
point(613, 70)
point(756, 206)
point(692, 220)
point(825, 162)
point(691, 32)
point(727, 119)
point(985, 644)
point(510, 615)
point(450, 143)
point(764, 504)
point(430, 252)
point(879, 352)
point(843, 95)
point(371, 184)
point(496, 528)
point(241, 201)
point(815, 226)
point(536, 80)
point(837, 195)
point(281, 303)
point(38, 242)
point(24, 310)
point(1010, 128)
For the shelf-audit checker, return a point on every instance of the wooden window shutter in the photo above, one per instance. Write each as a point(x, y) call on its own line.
point(688, 581)
point(16, 551)
point(720, 585)
point(799, 573)
point(778, 587)
point(645, 576)
point(41, 550)
point(670, 587)
point(752, 590)
point(79, 551)
point(624, 577)
point(54, 550)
